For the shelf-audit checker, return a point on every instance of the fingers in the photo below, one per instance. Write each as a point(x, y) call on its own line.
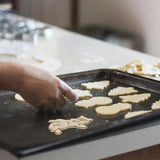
point(68, 92)
point(52, 103)
point(61, 101)
point(55, 95)
point(47, 105)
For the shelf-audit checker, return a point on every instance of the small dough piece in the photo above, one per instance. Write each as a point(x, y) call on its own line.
point(136, 113)
point(95, 101)
point(136, 98)
point(132, 67)
point(113, 109)
point(58, 125)
point(100, 85)
point(122, 91)
point(18, 97)
point(83, 93)
point(139, 67)
point(156, 105)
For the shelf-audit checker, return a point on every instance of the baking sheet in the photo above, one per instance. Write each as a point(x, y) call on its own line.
point(24, 129)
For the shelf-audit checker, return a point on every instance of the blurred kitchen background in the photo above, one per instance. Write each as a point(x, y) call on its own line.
point(133, 24)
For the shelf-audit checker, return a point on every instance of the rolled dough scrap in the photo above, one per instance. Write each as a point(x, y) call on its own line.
point(156, 105)
point(135, 113)
point(136, 98)
point(82, 93)
point(134, 66)
point(58, 125)
point(122, 91)
point(18, 97)
point(100, 85)
point(94, 101)
point(113, 109)
point(139, 67)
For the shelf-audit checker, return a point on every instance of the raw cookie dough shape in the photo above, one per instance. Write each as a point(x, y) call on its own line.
point(83, 93)
point(136, 98)
point(135, 113)
point(18, 97)
point(156, 105)
point(122, 91)
point(58, 125)
point(113, 109)
point(95, 101)
point(99, 85)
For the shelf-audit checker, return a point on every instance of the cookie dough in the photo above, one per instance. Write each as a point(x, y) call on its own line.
point(136, 98)
point(156, 105)
point(83, 93)
point(122, 91)
point(139, 67)
point(58, 125)
point(94, 101)
point(18, 97)
point(133, 67)
point(113, 109)
point(100, 85)
point(136, 113)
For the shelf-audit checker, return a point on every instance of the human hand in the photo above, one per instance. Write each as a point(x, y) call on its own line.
point(41, 89)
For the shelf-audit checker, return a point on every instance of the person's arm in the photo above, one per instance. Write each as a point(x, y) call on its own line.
point(35, 85)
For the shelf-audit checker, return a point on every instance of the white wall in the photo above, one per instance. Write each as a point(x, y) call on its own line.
point(136, 16)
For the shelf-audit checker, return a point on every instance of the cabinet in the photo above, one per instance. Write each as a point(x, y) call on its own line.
point(50, 11)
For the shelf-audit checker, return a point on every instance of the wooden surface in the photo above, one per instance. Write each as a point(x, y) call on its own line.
point(150, 153)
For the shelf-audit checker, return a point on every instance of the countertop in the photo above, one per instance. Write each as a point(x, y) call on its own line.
point(71, 53)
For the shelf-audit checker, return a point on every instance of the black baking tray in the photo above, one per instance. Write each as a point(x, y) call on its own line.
point(24, 129)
